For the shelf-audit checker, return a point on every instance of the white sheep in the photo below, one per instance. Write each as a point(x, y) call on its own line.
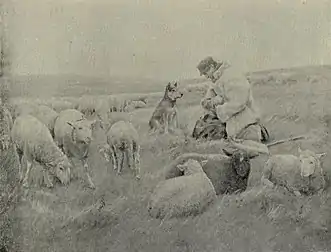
point(123, 140)
point(42, 112)
point(34, 143)
point(60, 105)
point(303, 174)
point(189, 194)
point(73, 133)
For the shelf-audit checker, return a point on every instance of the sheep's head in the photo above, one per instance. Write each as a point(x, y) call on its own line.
point(240, 162)
point(310, 162)
point(63, 170)
point(191, 166)
point(82, 130)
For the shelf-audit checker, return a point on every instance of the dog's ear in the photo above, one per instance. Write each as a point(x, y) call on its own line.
point(175, 84)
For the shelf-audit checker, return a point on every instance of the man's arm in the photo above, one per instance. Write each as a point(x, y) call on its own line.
point(237, 94)
point(206, 102)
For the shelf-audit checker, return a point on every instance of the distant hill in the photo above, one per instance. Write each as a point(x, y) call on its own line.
point(77, 85)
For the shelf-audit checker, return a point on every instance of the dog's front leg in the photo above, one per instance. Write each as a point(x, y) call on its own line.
point(175, 120)
point(166, 123)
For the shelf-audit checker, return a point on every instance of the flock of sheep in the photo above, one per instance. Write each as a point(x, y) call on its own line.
point(54, 137)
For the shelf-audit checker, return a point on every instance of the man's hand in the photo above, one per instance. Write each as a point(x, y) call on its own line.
point(217, 100)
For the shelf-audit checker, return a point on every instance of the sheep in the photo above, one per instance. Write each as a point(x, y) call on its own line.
point(229, 173)
point(132, 105)
point(6, 124)
point(42, 112)
point(34, 143)
point(123, 138)
point(73, 133)
point(60, 105)
point(199, 88)
point(189, 194)
point(299, 175)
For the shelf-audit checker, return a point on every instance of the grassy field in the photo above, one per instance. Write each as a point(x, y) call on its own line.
point(292, 102)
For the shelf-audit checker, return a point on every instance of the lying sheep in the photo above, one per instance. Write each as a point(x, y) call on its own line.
point(189, 194)
point(60, 105)
point(34, 143)
point(299, 175)
point(73, 133)
point(132, 105)
point(229, 173)
point(123, 138)
point(42, 112)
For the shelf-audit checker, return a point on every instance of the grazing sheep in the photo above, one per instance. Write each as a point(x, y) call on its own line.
point(229, 173)
point(189, 194)
point(299, 175)
point(123, 138)
point(34, 143)
point(42, 112)
point(73, 133)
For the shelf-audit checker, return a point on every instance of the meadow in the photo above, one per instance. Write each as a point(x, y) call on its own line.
point(292, 102)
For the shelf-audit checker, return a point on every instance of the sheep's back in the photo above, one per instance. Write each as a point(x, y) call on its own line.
point(28, 130)
point(223, 177)
point(182, 195)
point(285, 170)
point(43, 113)
point(122, 131)
point(61, 128)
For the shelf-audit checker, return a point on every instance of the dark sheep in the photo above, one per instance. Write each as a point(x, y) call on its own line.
point(228, 173)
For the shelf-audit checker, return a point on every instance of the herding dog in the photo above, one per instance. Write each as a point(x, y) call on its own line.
point(165, 113)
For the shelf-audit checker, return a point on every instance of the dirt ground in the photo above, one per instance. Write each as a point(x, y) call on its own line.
point(292, 102)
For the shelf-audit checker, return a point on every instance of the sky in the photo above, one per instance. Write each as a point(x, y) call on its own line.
point(165, 39)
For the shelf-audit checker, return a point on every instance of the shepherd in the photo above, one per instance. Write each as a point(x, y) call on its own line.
point(229, 105)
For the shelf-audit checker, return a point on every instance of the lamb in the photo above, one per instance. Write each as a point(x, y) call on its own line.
point(123, 138)
point(73, 133)
point(228, 173)
point(299, 175)
point(34, 143)
point(182, 196)
point(42, 112)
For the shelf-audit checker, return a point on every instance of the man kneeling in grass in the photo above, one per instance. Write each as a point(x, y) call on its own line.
point(229, 105)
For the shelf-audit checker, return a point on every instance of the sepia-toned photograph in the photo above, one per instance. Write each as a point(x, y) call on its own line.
point(165, 126)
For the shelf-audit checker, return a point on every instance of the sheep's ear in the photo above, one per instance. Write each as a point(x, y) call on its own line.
point(203, 162)
point(227, 152)
point(69, 123)
point(320, 155)
point(299, 150)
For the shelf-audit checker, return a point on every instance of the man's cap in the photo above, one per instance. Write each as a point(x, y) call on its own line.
point(205, 64)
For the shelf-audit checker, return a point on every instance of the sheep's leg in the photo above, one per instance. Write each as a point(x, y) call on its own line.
point(47, 179)
point(129, 155)
point(87, 172)
point(20, 166)
point(114, 152)
point(120, 160)
point(27, 174)
point(136, 159)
